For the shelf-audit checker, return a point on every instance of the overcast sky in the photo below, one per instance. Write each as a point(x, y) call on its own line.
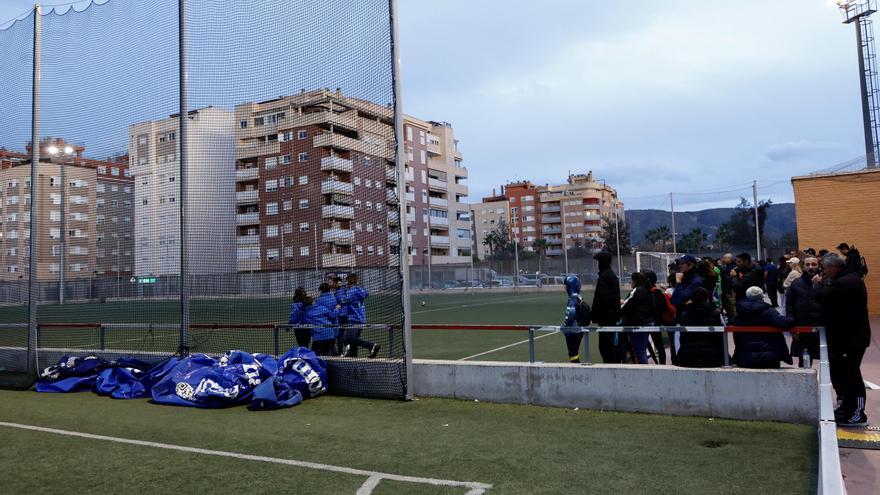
point(651, 96)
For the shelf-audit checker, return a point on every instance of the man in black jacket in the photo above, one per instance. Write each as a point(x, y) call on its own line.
point(747, 274)
point(853, 258)
point(606, 309)
point(842, 295)
point(801, 304)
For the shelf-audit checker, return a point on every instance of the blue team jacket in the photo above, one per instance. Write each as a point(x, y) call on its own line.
point(320, 314)
point(353, 304)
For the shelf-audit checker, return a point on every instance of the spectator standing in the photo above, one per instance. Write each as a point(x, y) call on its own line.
point(686, 282)
point(606, 308)
point(664, 315)
point(801, 304)
point(771, 281)
point(353, 305)
point(638, 310)
point(701, 349)
point(728, 298)
point(842, 295)
point(854, 260)
point(577, 315)
point(754, 349)
point(747, 274)
point(301, 302)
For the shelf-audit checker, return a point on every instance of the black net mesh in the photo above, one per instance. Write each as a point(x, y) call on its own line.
point(286, 180)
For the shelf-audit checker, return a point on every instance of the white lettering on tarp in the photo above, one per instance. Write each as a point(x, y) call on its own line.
point(311, 377)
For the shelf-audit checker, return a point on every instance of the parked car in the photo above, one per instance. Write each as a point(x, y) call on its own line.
point(552, 280)
point(530, 280)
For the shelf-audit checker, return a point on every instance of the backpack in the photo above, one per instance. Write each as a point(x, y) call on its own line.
point(668, 318)
point(863, 266)
point(582, 314)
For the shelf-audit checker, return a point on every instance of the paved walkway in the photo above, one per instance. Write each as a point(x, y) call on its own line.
point(862, 467)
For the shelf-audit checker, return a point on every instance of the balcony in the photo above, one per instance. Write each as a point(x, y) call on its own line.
point(338, 259)
point(390, 196)
point(440, 222)
point(336, 187)
point(592, 228)
point(334, 163)
point(394, 238)
point(393, 217)
point(247, 174)
point(552, 230)
point(252, 148)
point(434, 148)
point(248, 265)
point(338, 236)
point(553, 252)
point(410, 218)
point(410, 175)
point(247, 196)
point(553, 219)
point(549, 209)
point(337, 211)
point(554, 240)
point(391, 176)
point(439, 240)
point(247, 218)
point(411, 197)
point(346, 143)
point(438, 202)
point(438, 184)
point(248, 239)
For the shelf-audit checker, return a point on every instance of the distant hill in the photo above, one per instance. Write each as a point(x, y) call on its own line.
point(780, 221)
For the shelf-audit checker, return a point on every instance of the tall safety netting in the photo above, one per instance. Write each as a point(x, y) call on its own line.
point(268, 218)
point(17, 352)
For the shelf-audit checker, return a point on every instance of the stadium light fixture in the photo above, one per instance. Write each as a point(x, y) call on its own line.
point(53, 150)
point(68, 150)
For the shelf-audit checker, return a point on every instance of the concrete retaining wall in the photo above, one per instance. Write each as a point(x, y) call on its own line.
point(788, 395)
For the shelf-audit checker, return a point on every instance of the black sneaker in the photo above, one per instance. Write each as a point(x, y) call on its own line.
point(859, 422)
point(374, 351)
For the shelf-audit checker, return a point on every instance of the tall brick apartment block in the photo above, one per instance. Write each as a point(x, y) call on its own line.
point(560, 214)
point(97, 220)
point(842, 207)
point(315, 185)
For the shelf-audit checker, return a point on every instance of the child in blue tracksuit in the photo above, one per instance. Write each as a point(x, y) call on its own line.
point(577, 314)
point(352, 299)
point(321, 316)
point(301, 302)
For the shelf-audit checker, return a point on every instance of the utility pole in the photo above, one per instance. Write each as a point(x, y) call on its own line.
point(672, 207)
point(857, 12)
point(63, 271)
point(430, 260)
point(515, 261)
point(564, 240)
point(35, 161)
point(757, 225)
point(617, 234)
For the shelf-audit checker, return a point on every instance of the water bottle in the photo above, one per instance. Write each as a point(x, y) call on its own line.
point(805, 359)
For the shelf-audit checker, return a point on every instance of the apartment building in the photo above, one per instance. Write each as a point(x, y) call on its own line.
point(84, 208)
point(562, 215)
point(154, 150)
point(487, 216)
point(574, 212)
point(316, 186)
point(438, 216)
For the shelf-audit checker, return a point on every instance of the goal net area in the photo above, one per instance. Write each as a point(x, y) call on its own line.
point(182, 176)
point(655, 261)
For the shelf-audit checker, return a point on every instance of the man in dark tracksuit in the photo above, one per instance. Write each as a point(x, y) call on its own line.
point(606, 309)
point(844, 300)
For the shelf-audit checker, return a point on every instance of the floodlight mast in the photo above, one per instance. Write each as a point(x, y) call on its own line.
point(857, 12)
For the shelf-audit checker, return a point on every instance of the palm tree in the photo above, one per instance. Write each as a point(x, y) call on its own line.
point(693, 241)
point(651, 237)
point(664, 236)
point(540, 247)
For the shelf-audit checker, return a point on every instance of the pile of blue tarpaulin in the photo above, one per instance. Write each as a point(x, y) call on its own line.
point(235, 378)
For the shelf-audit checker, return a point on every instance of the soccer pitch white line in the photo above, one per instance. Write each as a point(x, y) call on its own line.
point(506, 346)
point(373, 477)
point(459, 306)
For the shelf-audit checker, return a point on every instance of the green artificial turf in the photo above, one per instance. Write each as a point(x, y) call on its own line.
point(517, 449)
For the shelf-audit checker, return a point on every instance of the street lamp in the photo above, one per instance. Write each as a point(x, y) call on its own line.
point(55, 151)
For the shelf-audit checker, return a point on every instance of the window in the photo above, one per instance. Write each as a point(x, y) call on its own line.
point(102, 170)
point(288, 205)
point(304, 227)
point(288, 251)
point(288, 181)
point(271, 185)
point(53, 233)
point(303, 180)
point(271, 208)
point(288, 228)
point(303, 157)
point(272, 231)
point(100, 188)
point(302, 135)
point(357, 181)
point(114, 171)
point(12, 251)
point(244, 124)
point(303, 204)
point(100, 219)
point(285, 136)
point(271, 163)
point(285, 160)
point(370, 250)
point(359, 249)
point(380, 251)
point(304, 251)
point(54, 216)
point(369, 227)
point(271, 254)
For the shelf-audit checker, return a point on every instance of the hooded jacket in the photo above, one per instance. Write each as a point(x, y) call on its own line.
point(753, 276)
point(700, 349)
point(684, 291)
point(322, 314)
point(577, 313)
point(353, 299)
point(606, 298)
point(760, 350)
point(638, 308)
